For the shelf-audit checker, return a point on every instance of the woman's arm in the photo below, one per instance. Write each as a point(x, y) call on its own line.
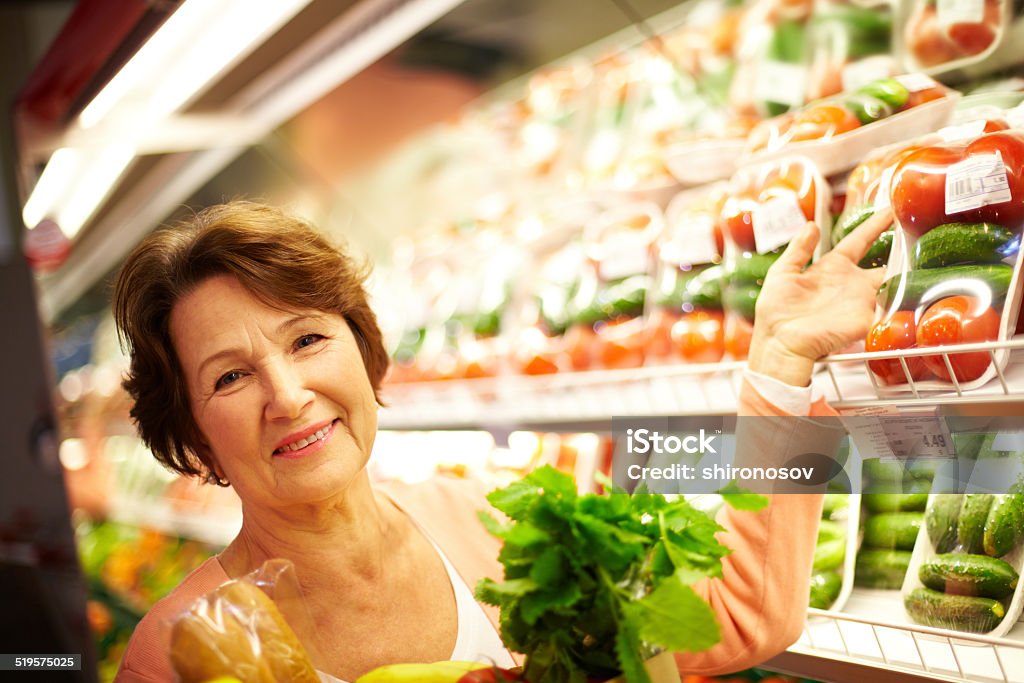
point(803, 314)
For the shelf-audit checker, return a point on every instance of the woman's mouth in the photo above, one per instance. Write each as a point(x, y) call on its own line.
point(307, 444)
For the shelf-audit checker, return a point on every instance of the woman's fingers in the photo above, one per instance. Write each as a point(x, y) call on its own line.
point(857, 243)
point(800, 249)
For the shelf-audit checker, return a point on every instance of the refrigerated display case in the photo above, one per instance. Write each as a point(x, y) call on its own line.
point(598, 142)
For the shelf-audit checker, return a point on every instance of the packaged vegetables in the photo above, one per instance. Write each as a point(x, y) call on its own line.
point(830, 552)
point(945, 34)
point(960, 210)
point(971, 569)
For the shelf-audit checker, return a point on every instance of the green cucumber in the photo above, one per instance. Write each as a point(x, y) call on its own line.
point(996, 277)
point(829, 555)
point(829, 530)
point(834, 502)
point(881, 568)
point(889, 90)
point(825, 589)
point(741, 299)
point(973, 575)
point(892, 530)
point(850, 219)
point(970, 528)
point(960, 243)
point(877, 254)
point(959, 612)
point(968, 444)
point(750, 268)
point(896, 502)
point(704, 290)
point(866, 107)
point(1004, 526)
point(941, 520)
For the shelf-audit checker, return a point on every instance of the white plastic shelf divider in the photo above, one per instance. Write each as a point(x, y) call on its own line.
point(899, 649)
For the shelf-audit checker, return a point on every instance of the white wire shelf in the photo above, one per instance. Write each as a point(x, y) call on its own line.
point(587, 400)
point(898, 650)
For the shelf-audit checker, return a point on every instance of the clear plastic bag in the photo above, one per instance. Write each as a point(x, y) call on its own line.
point(850, 45)
point(685, 320)
point(944, 35)
point(960, 212)
point(240, 630)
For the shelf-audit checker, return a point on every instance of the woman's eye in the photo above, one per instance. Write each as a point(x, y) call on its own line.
point(228, 378)
point(307, 340)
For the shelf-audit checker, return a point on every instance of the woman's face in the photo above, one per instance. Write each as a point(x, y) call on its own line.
point(281, 396)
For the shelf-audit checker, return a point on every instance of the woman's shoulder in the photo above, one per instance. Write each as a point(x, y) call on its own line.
point(146, 657)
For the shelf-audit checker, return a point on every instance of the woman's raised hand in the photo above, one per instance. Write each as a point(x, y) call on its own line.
point(804, 314)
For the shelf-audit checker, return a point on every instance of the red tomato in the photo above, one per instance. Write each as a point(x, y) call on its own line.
point(919, 184)
point(659, 333)
point(579, 343)
point(958, 320)
point(620, 344)
point(898, 331)
point(737, 221)
point(491, 674)
point(700, 336)
point(974, 38)
point(822, 120)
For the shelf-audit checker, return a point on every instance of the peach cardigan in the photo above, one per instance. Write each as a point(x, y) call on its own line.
point(759, 601)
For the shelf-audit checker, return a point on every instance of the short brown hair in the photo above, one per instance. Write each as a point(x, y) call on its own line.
point(282, 260)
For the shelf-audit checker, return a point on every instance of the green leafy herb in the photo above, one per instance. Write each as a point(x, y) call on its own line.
point(596, 584)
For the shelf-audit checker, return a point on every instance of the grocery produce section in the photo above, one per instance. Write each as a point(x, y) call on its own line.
point(634, 197)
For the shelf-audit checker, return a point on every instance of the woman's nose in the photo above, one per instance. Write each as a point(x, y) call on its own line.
point(287, 394)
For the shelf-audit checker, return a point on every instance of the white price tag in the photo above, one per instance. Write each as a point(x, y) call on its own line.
point(893, 435)
point(776, 222)
point(960, 12)
point(884, 187)
point(915, 82)
point(624, 255)
point(857, 74)
point(963, 131)
point(781, 82)
point(1012, 442)
point(693, 241)
point(975, 182)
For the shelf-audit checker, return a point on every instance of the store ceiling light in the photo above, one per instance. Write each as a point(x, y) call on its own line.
point(201, 40)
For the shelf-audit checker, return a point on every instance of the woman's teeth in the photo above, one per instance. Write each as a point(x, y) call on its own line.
point(302, 443)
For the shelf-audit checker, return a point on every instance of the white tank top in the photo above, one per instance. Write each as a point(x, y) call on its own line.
point(476, 640)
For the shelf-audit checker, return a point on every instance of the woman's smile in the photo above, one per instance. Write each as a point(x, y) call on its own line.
point(306, 442)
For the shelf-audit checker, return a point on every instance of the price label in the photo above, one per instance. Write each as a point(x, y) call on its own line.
point(776, 222)
point(960, 12)
point(693, 241)
point(624, 254)
point(781, 82)
point(864, 71)
point(963, 131)
point(916, 82)
point(975, 182)
point(892, 435)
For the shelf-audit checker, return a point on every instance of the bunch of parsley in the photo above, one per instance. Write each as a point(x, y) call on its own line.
point(595, 584)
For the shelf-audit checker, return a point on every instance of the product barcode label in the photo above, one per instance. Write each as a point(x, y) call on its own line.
point(693, 241)
point(864, 71)
point(781, 82)
point(975, 182)
point(916, 82)
point(884, 187)
point(624, 254)
point(960, 12)
point(776, 222)
point(963, 131)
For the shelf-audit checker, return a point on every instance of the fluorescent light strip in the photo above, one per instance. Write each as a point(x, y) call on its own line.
point(55, 177)
point(92, 186)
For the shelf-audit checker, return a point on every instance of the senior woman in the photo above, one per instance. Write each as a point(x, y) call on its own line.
point(257, 363)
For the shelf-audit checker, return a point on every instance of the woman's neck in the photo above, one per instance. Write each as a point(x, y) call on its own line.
point(346, 539)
